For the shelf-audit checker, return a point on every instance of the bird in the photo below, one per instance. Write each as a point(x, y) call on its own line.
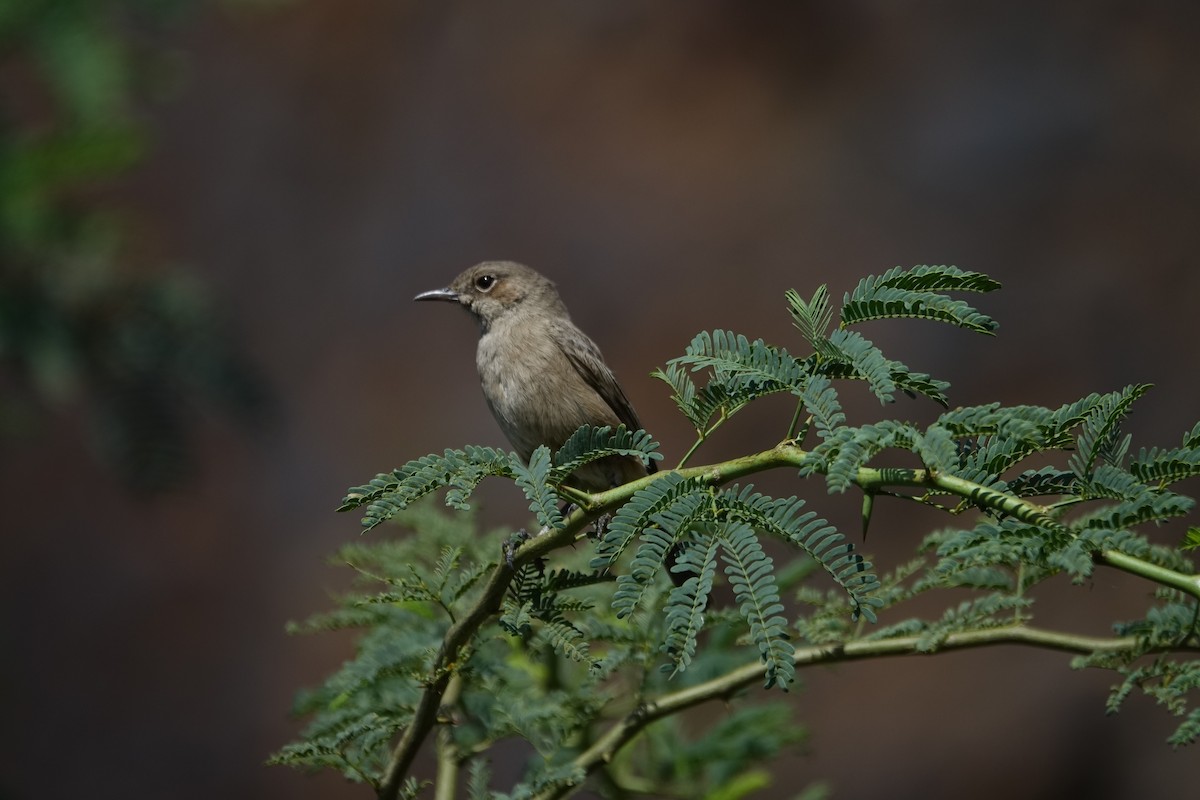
point(542, 377)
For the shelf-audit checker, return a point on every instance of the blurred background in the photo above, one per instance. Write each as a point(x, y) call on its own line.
point(213, 217)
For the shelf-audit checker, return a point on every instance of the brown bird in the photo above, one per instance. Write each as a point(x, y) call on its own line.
point(542, 376)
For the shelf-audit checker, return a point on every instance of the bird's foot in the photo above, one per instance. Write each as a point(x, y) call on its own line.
point(513, 543)
point(601, 526)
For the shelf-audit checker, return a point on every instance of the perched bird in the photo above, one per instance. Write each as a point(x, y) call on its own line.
point(542, 376)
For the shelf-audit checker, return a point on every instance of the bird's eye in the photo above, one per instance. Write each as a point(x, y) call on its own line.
point(484, 283)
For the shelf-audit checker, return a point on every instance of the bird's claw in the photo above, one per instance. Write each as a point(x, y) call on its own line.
point(513, 543)
point(601, 526)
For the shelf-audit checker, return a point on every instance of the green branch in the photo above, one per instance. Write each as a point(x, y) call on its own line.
point(623, 732)
point(1189, 584)
point(448, 757)
point(457, 636)
point(786, 454)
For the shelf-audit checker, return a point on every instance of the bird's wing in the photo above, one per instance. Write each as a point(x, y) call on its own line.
point(586, 359)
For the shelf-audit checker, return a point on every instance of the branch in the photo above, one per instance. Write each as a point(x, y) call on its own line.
point(786, 454)
point(621, 733)
point(1189, 584)
point(456, 637)
point(448, 755)
point(590, 507)
point(873, 480)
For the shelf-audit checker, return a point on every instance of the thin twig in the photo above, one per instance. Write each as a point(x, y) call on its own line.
point(448, 757)
point(626, 729)
point(783, 455)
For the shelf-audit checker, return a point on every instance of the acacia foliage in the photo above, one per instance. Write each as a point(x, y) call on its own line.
point(578, 652)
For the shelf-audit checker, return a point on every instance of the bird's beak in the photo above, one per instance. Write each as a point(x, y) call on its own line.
point(438, 294)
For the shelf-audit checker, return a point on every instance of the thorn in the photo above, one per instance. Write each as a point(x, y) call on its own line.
point(867, 506)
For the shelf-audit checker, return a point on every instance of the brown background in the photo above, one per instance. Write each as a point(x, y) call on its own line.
point(675, 167)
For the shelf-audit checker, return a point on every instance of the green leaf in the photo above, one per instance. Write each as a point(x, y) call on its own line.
point(821, 401)
point(1192, 438)
point(589, 444)
point(459, 470)
point(667, 524)
point(1188, 731)
point(783, 519)
point(1191, 539)
point(916, 294)
point(865, 361)
point(750, 574)
point(566, 639)
point(686, 603)
point(923, 278)
point(534, 481)
point(938, 451)
point(1044, 481)
point(638, 513)
point(1099, 438)
point(812, 317)
point(1165, 467)
point(841, 455)
point(740, 371)
point(517, 618)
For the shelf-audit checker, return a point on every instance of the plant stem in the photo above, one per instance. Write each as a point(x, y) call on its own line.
point(447, 751)
point(1189, 584)
point(457, 636)
point(625, 730)
point(701, 439)
point(782, 455)
point(791, 431)
point(691, 450)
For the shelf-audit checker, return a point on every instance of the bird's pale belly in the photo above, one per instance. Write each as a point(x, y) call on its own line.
point(537, 398)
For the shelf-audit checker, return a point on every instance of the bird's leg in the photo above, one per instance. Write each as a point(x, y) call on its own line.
point(601, 525)
point(513, 543)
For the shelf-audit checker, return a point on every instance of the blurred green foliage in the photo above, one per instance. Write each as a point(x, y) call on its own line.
point(83, 321)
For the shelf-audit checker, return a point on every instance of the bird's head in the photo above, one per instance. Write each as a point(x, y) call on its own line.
point(494, 289)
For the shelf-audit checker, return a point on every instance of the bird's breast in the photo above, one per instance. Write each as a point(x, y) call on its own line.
point(533, 390)
point(508, 369)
